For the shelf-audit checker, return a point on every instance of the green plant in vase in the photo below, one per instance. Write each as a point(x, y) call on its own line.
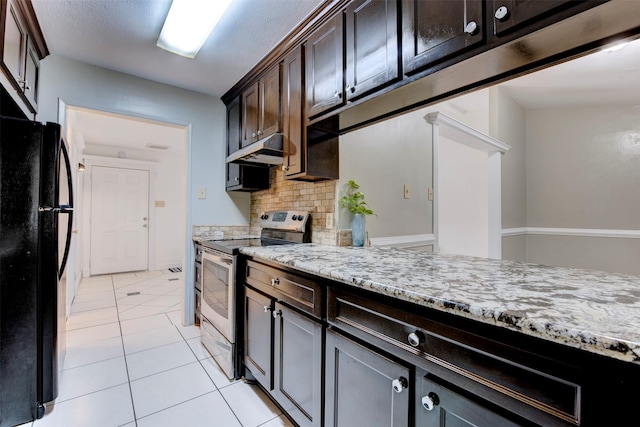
point(353, 200)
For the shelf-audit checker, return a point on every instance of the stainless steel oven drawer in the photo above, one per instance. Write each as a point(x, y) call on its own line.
point(218, 346)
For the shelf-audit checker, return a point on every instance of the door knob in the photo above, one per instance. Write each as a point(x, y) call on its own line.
point(430, 401)
point(144, 225)
point(399, 384)
point(144, 218)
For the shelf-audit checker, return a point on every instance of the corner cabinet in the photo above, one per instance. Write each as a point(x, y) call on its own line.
point(261, 108)
point(21, 49)
point(241, 177)
point(433, 31)
point(308, 155)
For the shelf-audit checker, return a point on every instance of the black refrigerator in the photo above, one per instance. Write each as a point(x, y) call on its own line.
point(36, 208)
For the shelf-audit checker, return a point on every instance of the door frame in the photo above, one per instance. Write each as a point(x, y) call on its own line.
point(112, 162)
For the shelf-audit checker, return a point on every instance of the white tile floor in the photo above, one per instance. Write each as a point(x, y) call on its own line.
point(130, 363)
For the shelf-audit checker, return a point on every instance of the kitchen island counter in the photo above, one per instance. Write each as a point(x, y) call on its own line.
point(591, 310)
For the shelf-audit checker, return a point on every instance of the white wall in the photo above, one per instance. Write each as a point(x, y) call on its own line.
point(169, 188)
point(79, 84)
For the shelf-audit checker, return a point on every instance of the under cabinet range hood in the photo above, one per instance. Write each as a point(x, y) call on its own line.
point(267, 151)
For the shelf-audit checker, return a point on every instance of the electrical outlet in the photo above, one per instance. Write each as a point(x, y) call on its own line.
point(329, 221)
point(430, 194)
point(406, 192)
point(202, 193)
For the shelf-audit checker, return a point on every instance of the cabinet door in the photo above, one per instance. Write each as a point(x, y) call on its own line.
point(435, 30)
point(324, 67)
point(298, 366)
point(15, 41)
point(371, 35)
point(234, 130)
point(31, 76)
point(258, 345)
point(292, 112)
point(360, 386)
point(437, 406)
point(509, 14)
point(269, 94)
point(250, 120)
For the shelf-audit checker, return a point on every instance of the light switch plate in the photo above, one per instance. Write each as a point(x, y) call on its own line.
point(202, 193)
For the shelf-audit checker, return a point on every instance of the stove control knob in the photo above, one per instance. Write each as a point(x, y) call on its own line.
point(294, 217)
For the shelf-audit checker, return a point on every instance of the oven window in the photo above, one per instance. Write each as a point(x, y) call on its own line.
point(215, 290)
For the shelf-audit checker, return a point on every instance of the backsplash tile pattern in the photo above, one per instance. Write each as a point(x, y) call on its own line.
point(319, 198)
point(208, 232)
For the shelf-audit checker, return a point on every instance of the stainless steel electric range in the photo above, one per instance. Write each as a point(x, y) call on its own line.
point(221, 298)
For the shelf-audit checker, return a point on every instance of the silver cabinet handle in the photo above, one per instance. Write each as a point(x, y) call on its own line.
point(275, 281)
point(277, 313)
point(267, 309)
point(254, 135)
point(259, 133)
point(502, 13)
point(472, 28)
point(430, 401)
point(415, 338)
point(399, 384)
point(237, 178)
point(285, 168)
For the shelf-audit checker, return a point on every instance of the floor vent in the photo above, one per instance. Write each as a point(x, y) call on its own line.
point(173, 279)
point(130, 294)
point(176, 269)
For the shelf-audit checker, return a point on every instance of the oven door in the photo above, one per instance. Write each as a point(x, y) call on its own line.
point(218, 290)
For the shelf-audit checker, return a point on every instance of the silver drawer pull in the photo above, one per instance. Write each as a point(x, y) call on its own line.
point(267, 309)
point(277, 313)
point(415, 338)
point(430, 401)
point(275, 281)
point(399, 384)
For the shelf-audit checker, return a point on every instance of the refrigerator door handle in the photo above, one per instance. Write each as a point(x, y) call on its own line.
point(67, 209)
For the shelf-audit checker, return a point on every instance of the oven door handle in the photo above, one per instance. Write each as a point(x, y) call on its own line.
point(225, 261)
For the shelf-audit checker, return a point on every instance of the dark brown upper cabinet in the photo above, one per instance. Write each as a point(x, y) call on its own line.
point(511, 14)
point(292, 113)
point(324, 67)
point(241, 177)
point(21, 48)
point(436, 30)
point(372, 36)
point(309, 154)
point(261, 108)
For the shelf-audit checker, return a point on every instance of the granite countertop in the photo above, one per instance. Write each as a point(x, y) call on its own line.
point(592, 310)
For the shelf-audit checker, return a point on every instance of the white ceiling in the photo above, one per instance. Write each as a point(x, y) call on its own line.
point(121, 35)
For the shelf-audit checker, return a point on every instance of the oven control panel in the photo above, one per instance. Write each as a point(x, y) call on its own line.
point(290, 220)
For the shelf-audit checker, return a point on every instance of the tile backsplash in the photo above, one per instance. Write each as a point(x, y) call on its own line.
point(319, 198)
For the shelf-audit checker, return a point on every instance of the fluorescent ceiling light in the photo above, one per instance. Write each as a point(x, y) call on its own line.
point(188, 25)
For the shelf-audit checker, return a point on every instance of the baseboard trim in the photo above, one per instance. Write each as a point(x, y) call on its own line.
point(572, 232)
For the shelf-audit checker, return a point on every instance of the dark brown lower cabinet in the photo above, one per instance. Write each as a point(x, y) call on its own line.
point(283, 351)
point(437, 406)
point(298, 366)
point(258, 342)
point(363, 387)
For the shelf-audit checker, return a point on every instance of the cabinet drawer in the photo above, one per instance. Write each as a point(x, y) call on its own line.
point(299, 292)
point(515, 379)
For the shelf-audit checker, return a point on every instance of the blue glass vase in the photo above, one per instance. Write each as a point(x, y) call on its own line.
point(357, 230)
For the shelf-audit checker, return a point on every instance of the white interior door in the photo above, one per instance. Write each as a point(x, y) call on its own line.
point(119, 220)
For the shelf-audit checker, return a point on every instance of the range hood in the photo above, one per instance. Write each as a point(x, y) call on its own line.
point(267, 151)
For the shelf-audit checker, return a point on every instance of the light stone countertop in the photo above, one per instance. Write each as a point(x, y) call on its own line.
point(592, 310)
